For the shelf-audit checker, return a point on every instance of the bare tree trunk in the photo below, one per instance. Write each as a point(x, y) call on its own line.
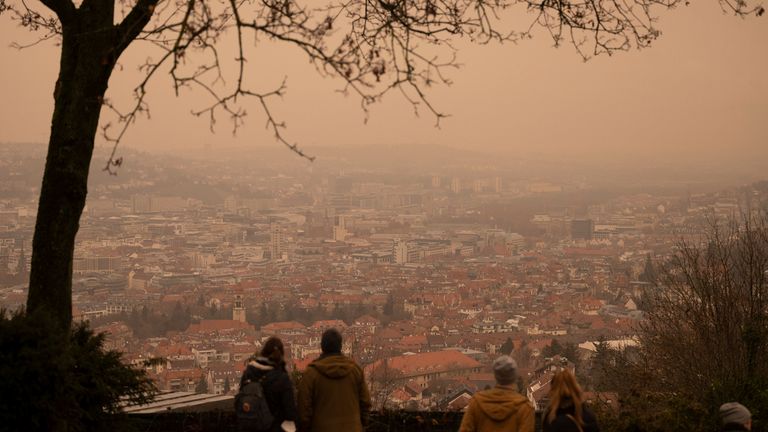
point(87, 60)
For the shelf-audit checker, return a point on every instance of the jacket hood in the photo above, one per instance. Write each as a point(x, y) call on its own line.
point(499, 403)
point(334, 366)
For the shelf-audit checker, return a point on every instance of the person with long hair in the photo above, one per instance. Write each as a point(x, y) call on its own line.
point(567, 411)
point(269, 368)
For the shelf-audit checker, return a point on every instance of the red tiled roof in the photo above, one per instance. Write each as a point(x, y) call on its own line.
point(217, 325)
point(367, 320)
point(588, 252)
point(460, 402)
point(172, 298)
point(283, 325)
point(430, 362)
point(191, 374)
point(339, 324)
point(400, 395)
point(414, 340)
point(172, 350)
point(243, 348)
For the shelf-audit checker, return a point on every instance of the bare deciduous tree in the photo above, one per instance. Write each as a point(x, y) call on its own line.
point(383, 381)
point(372, 46)
point(704, 339)
point(707, 323)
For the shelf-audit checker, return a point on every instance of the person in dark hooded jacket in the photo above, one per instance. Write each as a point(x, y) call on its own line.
point(502, 408)
point(333, 395)
point(269, 367)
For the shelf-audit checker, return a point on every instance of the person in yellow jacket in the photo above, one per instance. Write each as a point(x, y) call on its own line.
point(502, 408)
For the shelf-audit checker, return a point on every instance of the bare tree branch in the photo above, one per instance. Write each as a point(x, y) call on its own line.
point(133, 24)
point(371, 46)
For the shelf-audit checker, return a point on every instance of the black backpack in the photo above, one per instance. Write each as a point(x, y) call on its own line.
point(251, 408)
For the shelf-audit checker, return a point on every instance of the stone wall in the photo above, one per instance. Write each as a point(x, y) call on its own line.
point(219, 421)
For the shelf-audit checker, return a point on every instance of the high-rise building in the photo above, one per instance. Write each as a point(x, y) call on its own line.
point(3, 265)
point(82, 264)
point(497, 185)
point(141, 203)
point(582, 229)
point(21, 268)
point(455, 185)
point(514, 243)
point(168, 204)
point(435, 181)
point(277, 241)
point(340, 229)
point(400, 251)
point(230, 204)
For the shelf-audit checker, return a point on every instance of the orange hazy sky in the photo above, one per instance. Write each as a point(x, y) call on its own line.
point(702, 89)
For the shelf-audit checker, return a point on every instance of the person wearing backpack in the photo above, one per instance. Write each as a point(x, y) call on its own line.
point(265, 401)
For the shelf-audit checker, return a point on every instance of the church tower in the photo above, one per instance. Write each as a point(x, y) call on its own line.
point(238, 311)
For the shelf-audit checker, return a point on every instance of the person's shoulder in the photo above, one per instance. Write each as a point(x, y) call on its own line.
point(310, 371)
point(560, 415)
point(252, 372)
point(277, 373)
point(343, 361)
point(473, 403)
point(588, 413)
point(589, 417)
point(526, 403)
point(260, 365)
point(356, 364)
point(281, 377)
point(357, 368)
point(481, 393)
point(341, 358)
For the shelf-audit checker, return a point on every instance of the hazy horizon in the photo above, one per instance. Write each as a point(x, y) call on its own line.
point(415, 164)
point(697, 96)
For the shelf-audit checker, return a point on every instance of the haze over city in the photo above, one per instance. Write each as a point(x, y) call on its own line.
point(697, 94)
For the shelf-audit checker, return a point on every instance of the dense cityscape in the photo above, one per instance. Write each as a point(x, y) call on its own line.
point(429, 273)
